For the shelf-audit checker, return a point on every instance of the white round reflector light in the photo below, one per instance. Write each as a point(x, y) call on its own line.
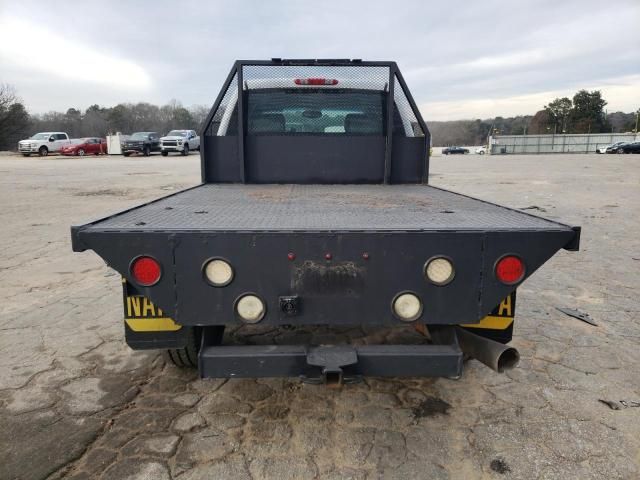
point(439, 271)
point(250, 309)
point(407, 307)
point(218, 272)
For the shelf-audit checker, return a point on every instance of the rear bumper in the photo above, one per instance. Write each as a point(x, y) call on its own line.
point(331, 364)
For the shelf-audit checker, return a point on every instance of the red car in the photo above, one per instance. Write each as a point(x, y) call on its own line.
point(86, 146)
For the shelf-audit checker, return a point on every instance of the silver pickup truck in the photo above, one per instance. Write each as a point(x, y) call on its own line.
point(179, 141)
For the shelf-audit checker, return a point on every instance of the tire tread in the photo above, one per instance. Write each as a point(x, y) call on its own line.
point(184, 357)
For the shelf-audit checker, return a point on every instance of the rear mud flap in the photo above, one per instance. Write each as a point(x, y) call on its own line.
point(498, 325)
point(146, 325)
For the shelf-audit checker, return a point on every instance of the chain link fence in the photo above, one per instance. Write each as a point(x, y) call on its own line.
point(571, 143)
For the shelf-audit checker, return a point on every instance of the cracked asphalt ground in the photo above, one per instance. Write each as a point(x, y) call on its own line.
point(75, 402)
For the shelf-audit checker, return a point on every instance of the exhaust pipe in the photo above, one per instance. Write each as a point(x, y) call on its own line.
point(495, 355)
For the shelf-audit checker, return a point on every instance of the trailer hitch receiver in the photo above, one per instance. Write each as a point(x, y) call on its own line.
point(331, 359)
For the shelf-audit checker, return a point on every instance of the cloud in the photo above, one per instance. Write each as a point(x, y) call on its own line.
point(460, 58)
point(32, 48)
point(620, 93)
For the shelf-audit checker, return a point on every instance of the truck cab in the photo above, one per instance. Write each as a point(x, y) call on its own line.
point(315, 210)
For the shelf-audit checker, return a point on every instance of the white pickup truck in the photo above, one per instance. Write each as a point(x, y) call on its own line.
point(43, 143)
point(179, 141)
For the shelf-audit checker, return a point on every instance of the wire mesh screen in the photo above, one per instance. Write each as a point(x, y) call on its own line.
point(283, 76)
point(409, 126)
point(225, 118)
point(315, 100)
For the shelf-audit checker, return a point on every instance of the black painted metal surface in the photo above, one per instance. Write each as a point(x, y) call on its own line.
point(293, 360)
point(254, 227)
point(329, 208)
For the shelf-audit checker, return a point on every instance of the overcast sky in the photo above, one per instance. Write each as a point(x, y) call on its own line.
point(461, 59)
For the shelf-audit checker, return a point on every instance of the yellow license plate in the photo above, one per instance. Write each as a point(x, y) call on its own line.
point(501, 317)
point(142, 315)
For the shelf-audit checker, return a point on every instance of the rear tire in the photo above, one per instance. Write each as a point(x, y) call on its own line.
point(43, 152)
point(186, 357)
point(126, 154)
point(26, 154)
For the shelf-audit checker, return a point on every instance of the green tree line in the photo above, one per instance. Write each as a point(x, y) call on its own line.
point(584, 113)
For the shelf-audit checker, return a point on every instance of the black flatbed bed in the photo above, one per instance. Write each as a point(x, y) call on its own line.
point(340, 208)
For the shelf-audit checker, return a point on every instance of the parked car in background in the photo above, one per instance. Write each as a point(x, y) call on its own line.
point(604, 148)
point(633, 147)
point(43, 143)
point(179, 141)
point(85, 146)
point(454, 150)
point(481, 151)
point(614, 148)
point(141, 142)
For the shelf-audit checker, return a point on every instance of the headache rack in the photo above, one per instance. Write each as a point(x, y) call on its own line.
point(398, 154)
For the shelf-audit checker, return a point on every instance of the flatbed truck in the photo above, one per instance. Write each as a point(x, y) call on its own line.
point(315, 209)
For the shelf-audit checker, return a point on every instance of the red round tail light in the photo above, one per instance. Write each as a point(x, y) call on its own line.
point(146, 271)
point(510, 269)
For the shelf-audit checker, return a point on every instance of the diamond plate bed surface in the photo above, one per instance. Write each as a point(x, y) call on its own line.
point(321, 207)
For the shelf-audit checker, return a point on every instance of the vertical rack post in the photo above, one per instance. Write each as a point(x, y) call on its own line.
point(241, 122)
point(389, 140)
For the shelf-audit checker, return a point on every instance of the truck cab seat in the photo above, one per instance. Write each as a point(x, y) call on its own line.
point(267, 123)
point(360, 123)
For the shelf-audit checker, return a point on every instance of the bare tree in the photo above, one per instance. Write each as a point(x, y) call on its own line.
point(7, 96)
point(14, 119)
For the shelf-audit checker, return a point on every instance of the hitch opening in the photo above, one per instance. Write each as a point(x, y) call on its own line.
point(332, 377)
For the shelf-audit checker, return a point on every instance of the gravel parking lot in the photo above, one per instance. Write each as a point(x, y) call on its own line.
point(75, 402)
